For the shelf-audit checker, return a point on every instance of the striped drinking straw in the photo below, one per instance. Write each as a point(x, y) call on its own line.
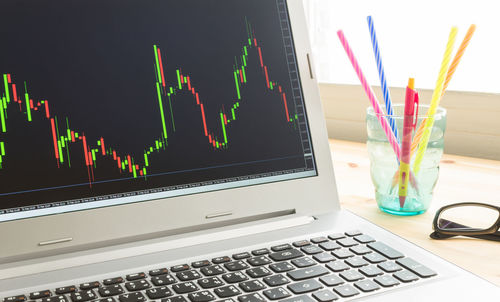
point(451, 71)
point(383, 81)
point(436, 98)
point(371, 96)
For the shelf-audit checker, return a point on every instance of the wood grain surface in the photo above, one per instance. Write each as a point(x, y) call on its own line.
point(461, 179)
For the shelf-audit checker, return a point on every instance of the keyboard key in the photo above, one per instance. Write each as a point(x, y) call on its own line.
point(330, 246)
point(405, 276)
point(163, 280)
point(276, 293)
point(252, 286)
point(179, 268)
point(303, 262)
point(203, 296)
point(251, 298)
point(212, 270)
point(240, 256)
point(374, 258)
point(137, 285)
point(385, 250)
point(325, 296)
point(227, 291)
point(65, 290)
point(112, 281)
point(364, 239)
point(286, 255)
point(158, 293)
point(137, 276)
point(235, 265)
point(347, 242)
point(366, 285)
point(305, 286)
point(188, 275)
point(109, 299)
point(360, 250)
point(82, 296)
point(219, 260)
point(258, 272)
point(311, 249)
point(111, 290)
point(55, 299)
point(184, 288)
point(260, 252)
point(386, 281)
point(276, 280)
point(389, 266)
point(336, 236)
point(202, 263)
point(303, 298)
point(356, 262)
point(281, 247)
point(324, 257)
point(346, 290)
point(307, 273)
point(342, 253)
point(259, 260)
point(353, 233)
point(132, 297)
point(319, 239)
point(301, 243)
point(415, 267)
point(20, 298)
point(234, 277)
point(89, 285)
point(210, 282)
point(331, 280)
point(337, 266)
point(40, 294)
point(371, 271)
point(351, 275)
point(281, 267)
point(157, 272)
point(174, 299)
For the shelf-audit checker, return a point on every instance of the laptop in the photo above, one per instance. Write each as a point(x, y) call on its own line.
point(176, 151)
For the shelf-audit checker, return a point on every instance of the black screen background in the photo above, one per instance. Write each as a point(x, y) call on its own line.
point(93, 61)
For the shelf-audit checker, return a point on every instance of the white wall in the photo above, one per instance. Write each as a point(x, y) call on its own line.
point(412, 37)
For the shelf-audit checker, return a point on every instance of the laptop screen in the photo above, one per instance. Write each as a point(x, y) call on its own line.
point(108, 102)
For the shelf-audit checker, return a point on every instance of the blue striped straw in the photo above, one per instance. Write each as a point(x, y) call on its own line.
point(383, 81)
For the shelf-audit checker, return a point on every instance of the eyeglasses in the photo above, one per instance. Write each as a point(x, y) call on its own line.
point(471, 219)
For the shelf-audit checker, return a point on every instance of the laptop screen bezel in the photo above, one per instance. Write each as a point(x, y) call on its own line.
point(97, 227)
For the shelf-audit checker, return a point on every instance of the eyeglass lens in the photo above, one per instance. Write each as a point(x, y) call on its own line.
point(467, 217)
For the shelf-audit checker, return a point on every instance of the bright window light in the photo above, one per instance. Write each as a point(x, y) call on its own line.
point(412, 38)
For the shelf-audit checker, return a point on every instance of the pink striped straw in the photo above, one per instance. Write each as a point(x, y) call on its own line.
point(371, 96)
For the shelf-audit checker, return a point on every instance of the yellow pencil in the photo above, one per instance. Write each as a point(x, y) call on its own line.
point(408, 123)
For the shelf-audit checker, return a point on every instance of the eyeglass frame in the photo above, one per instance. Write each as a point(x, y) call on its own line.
point(491, 233)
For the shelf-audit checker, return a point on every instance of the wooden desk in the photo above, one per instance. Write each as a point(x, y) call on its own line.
point(461, 179)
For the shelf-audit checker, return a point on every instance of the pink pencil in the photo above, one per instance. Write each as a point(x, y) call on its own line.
point(371, 96)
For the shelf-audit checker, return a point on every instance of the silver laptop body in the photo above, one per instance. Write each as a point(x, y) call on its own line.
point(68, 242)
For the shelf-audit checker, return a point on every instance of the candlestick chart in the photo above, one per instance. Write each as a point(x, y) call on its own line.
point(154, 105)
point(63, 136)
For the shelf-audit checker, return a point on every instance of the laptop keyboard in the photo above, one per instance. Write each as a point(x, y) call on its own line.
point(322, 269)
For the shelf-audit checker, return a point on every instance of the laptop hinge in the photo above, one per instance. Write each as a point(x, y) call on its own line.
point(151, 246)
